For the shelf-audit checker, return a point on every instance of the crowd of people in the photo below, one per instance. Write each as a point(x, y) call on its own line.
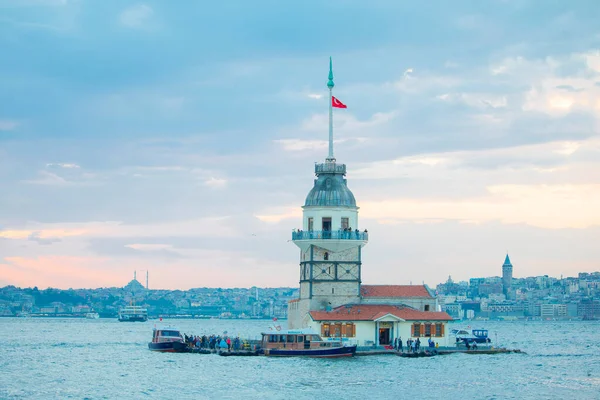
point(216, 342)
point(413, 346)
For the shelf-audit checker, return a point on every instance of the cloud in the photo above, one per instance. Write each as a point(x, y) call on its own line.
point(48, 179)
point(149, 247)
point(544, 206)
point(7, 125)
point(35, 237)
point(215, 182)
point(63, 165)
point(135, 16)
point(280, 213)
point(315, 96)
point(346, 122)
point(476, 100)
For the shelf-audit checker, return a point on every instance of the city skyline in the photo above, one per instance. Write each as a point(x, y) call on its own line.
point(181, 140)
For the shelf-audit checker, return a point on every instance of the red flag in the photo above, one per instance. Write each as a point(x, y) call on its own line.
point(336, 103)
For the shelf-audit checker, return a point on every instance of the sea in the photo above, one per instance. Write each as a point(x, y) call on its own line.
point(50, 358)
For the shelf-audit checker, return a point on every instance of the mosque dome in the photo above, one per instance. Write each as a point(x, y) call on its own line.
point(330, 189)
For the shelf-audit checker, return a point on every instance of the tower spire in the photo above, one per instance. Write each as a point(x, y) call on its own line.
point(330, 85)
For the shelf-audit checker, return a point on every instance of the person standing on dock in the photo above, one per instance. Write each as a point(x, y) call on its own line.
point(400, 344)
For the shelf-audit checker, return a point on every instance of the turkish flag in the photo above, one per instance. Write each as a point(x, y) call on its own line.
point(336, 103)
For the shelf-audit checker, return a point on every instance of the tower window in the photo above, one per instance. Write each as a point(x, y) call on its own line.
point(332, 290)
point(310, 223)
point(345, 222)
point(326, 256)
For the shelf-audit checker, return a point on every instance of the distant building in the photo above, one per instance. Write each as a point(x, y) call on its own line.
point(507, 273)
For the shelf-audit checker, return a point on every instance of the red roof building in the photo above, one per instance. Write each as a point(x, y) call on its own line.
point(374, 312)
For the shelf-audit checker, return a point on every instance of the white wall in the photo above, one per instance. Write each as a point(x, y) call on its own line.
point(335, 213)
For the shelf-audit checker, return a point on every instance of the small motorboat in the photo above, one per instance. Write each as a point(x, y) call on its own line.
point(426, 353)
point(303, 343)
point(168, 340)
point(468, 336)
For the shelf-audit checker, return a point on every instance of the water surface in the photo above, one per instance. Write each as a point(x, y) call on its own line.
point(104, 359)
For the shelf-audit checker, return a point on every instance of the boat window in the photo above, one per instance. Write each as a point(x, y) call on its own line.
point(289, 338)
point(272, 338)
point(170, 333)
point(300, 339)
point(281, 338)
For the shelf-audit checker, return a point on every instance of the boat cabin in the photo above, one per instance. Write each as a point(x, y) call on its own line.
point(167, 334)
point(302, 339)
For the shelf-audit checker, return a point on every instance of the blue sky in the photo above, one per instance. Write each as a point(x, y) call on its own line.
point(179, 137)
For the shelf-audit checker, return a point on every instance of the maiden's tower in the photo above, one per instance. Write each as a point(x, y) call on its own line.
point(332, 298)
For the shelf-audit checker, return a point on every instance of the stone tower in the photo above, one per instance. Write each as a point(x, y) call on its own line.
point(330, 242)
point(507, 272)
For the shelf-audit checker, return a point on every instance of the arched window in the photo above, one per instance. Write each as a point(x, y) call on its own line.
point(326, 256)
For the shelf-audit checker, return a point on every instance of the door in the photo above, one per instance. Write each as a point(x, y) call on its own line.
point(326, 221)
point(384, 336)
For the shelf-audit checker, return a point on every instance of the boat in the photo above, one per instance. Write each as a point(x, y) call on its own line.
point(469, 335)
point(133, 313)
point(303, 343)
point(168, 340)
point(426, 353)
point(92, 315)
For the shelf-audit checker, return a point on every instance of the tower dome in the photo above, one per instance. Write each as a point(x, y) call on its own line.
point(330, 189)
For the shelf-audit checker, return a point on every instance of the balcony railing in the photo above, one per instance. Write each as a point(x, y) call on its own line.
point(336, 235)
point(330, 168)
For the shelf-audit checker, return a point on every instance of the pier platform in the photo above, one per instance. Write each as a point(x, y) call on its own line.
point(376, 351)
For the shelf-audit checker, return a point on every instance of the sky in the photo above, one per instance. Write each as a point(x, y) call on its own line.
point(179, 138)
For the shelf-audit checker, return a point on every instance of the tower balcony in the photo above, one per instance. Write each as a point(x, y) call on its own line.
point(330, 235)
point(330, 168)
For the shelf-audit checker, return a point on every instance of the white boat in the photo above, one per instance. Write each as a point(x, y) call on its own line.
point(468, 335)
point(168, 339)
point(92, 315)
point(133, 314)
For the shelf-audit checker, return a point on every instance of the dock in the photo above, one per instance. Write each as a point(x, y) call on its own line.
point(369, 351)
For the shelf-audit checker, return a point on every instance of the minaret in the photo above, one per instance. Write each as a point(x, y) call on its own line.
point(507, 272)
point(330, 242)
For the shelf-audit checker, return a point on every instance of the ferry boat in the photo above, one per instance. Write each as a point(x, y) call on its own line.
point(303, 343)
point(92, 315)
point(471, 335)
point(167, 340)
point(133, 314)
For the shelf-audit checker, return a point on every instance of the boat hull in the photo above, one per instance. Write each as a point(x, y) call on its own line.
point(136, 318)
point(325, 352)
point(418, 355)
point(169, 347)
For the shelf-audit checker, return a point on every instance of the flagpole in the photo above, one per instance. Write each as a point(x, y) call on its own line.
point(330, 85)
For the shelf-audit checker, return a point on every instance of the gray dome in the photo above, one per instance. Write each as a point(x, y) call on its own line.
point(330, 190)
